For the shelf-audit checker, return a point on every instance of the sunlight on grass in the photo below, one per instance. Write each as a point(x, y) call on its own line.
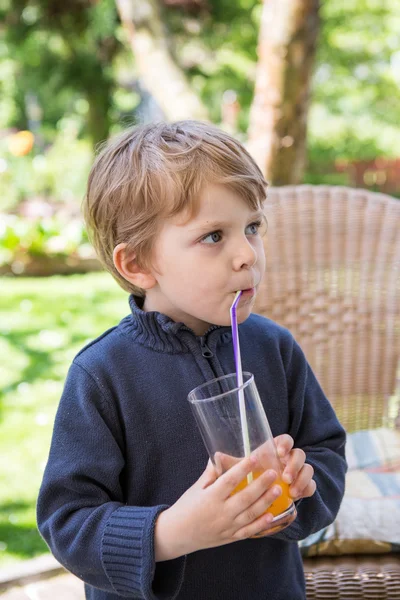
point(13, 361)
point(44, 322)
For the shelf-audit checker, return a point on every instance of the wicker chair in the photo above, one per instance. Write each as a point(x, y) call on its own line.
point(333, 279)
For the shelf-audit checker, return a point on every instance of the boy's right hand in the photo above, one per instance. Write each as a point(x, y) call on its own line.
point(208, 515)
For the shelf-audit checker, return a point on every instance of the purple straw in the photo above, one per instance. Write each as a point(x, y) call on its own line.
point(235, 339)
point(239, 377)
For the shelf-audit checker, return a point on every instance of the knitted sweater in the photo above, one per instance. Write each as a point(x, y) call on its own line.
point(126, 446)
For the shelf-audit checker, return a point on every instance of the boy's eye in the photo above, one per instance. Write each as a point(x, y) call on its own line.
point(253, 228)
point(216, 236)
point(212, 238)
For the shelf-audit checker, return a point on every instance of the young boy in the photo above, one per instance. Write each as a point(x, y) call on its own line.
point(128, 502)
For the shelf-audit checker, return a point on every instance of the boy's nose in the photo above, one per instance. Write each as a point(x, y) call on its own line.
point(245, 256)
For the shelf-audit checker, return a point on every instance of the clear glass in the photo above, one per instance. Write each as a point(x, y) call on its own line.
point(216, 407)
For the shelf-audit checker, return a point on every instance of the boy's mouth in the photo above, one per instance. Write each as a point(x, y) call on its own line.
point(249, 292)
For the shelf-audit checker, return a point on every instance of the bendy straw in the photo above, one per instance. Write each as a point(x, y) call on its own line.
point(239, 376)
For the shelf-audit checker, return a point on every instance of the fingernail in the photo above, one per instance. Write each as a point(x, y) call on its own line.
point(269, 517)
point(271, 473)
point(287, 477)
point(277, 491)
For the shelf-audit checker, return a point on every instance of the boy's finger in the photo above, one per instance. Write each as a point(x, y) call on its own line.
point(309, 490)
point(227, 483)
point(284, 444)
point(208, 476)
point(224, 462)
point(257, 496)
point(260, 506)
point(258, 526)
point(294, 465)
point(300, 485)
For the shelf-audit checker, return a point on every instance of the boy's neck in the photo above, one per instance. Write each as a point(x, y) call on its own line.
point(155, 303)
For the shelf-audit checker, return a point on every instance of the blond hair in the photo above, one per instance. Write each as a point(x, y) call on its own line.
point(155, 171)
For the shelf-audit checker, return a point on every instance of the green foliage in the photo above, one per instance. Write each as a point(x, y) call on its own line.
point(60, 64)
point(68, 56)
point(58, 53)
point(23, 239)
point(43, 324)
point(355, 113)
point(57, 173)
point(218, 49)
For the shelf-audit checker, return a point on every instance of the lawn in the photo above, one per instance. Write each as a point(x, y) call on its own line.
point(43, 323)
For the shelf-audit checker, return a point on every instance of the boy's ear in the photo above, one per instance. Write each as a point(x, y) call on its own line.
point(126, 265)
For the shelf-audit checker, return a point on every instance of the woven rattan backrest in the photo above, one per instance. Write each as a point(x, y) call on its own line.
point(333, 279)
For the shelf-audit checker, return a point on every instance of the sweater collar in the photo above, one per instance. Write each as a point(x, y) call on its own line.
point(160, 332)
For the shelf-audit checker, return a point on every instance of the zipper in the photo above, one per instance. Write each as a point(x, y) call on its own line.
point(205, 350)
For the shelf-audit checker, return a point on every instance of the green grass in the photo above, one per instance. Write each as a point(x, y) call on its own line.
point(43, 323)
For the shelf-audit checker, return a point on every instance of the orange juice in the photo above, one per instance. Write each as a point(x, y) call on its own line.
point(280, 504)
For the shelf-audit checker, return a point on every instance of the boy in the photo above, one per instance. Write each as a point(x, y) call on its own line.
point(127, 502)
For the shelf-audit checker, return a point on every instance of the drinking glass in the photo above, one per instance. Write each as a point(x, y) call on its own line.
point(233, 423)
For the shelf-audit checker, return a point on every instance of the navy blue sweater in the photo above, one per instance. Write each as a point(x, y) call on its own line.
point(126, 446)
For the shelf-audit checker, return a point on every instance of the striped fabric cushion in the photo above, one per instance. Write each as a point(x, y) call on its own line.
point(373, 448)
point(369, 517)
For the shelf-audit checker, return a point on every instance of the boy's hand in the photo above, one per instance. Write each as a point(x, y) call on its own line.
point(209, 515)
point(296, 471)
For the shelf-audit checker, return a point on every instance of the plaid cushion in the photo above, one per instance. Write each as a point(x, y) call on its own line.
point(373, 448)
point(369, 517)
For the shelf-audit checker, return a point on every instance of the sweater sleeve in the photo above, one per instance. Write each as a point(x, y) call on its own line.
point(316, 429)
point(81, 512)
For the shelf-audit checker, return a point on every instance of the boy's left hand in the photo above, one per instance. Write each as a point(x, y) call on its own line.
point(297, 473)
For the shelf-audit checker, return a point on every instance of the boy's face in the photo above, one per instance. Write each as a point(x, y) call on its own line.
point(200, 263)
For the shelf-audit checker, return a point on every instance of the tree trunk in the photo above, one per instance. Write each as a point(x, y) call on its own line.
point(278, 116)
point(156, 69)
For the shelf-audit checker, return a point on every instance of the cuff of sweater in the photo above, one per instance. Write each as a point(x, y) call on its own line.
point(128, 555)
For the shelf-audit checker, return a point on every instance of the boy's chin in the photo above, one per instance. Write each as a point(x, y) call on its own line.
point(224, 320)
point(241, 316)
point(244, 311)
